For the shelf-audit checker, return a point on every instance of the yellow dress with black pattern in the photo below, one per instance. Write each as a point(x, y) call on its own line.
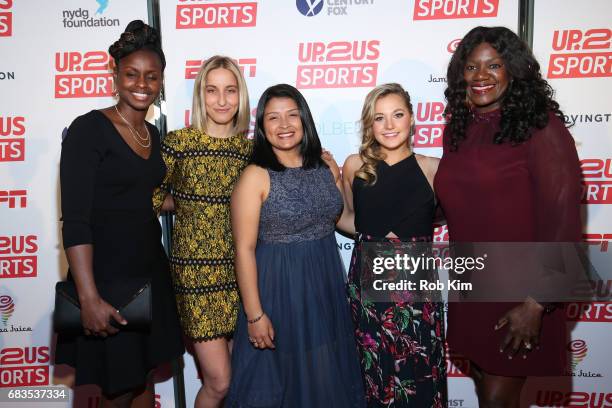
point(201, 173)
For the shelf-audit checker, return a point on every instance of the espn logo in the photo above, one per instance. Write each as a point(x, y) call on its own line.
point(601, 240)
point(216, 15)
point(12, 141)
point(570, 62)
point(454, 9)
point(14, 198)
point(248, 67)
point(82, 74)
point(338, 64)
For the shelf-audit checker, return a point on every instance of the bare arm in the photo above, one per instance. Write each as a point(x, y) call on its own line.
point(250, 192)
point(346, 223)
point(429, 166)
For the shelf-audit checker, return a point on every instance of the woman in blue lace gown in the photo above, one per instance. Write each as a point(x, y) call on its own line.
point(294, 344)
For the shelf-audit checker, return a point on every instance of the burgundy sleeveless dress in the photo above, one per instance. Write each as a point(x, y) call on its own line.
point(503, 193)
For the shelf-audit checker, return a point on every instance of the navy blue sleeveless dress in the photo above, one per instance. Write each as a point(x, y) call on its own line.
point(302, 288)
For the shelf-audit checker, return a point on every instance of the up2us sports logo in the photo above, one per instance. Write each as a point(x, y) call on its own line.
point(6, 18)
point(82, 74)
point(454, 9)
point(210, 14)
point(581, 53)
point(24, 366)
point(596, 181)
point(429, 117)
point(337, 64)
point(18, 256)
point(12, 140)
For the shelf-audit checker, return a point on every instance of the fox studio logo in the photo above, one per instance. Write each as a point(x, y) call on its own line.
point(310, 8)
point(88, 18)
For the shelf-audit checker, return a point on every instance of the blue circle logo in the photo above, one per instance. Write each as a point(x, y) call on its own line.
point(309, 8)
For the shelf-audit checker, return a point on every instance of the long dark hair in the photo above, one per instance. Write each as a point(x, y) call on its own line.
point(310, 148)
point(526, 102)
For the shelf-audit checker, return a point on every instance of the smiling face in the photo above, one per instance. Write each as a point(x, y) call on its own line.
point(486, 77)
point(138, 79)
point(282, 124)
point(221, 97)
point(392, 122)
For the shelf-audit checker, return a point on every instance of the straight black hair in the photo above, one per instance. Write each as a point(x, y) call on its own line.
point(310, 148)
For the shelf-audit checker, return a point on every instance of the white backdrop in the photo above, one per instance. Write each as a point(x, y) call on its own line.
point(334, 57)
point(53, 68)
point(56, 55)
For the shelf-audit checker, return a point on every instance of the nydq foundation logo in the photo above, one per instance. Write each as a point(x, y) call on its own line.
point(338, 64)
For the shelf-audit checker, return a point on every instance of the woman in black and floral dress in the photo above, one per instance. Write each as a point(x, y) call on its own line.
point(390, 204)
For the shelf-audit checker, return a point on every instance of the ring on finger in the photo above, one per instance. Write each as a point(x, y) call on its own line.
point(527, 345)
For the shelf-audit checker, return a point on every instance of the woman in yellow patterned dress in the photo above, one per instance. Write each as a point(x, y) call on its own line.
point(204, 161)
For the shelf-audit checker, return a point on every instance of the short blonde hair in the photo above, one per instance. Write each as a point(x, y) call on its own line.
point(369, 151)
point(198, 110)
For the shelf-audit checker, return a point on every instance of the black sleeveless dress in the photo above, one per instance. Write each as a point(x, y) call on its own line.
point(401, 343)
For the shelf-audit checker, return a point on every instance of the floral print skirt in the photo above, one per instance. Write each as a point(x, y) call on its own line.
point(400, 343)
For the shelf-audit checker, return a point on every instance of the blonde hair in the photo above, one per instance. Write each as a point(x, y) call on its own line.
point(369, 151)
point(198, 110)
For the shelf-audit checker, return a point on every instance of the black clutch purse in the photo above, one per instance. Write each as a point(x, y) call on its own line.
point(131, 297)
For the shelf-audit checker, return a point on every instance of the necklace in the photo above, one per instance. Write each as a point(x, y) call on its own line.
point(142, 141)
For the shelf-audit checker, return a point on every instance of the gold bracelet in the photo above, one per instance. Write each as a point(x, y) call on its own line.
point(255, 320)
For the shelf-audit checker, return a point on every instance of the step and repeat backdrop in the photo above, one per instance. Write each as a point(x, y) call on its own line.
point(54, 67)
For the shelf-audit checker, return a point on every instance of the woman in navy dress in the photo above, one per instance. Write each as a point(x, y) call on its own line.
point(110, 165)
point(509, 173)
point(294, 344)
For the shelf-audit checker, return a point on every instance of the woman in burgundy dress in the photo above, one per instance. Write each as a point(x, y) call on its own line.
point(509, 173)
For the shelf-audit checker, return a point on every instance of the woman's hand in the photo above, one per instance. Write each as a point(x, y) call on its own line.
point(96, 318)
point(261, 333)
point(168, 204)
point(328, 158)
point(524, 323)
